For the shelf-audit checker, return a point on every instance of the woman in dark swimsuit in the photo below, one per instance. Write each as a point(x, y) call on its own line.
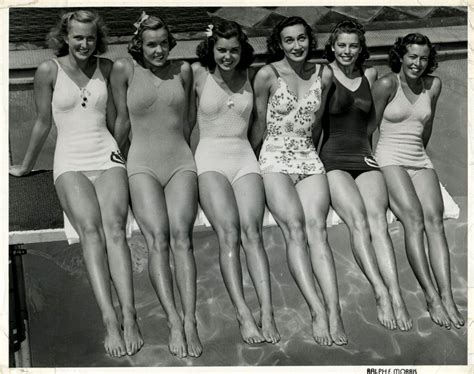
point(357, 188)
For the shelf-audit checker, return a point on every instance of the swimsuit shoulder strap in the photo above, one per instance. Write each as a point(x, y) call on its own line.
point(275, 70)
point(320, 73)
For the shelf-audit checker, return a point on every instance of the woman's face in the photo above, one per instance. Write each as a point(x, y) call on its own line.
point(346, 49)
point(81, 39)
point(227, 53)
point(155, 47)
point(415, 60)
point(295, 43)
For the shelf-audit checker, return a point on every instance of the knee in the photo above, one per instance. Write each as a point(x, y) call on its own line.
point(316, 227)
point(412, 219)
point(295, 230)
point(358, 223)
point(378, 220)
point(434, 220)
point(115, 231)
point(181, 240)
point(229, 236)
point(89, 231)
point(157, 241)
point(251, 235)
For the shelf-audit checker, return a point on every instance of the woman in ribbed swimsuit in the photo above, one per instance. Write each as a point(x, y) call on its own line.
point(289, 96)
point(89, 171)
point(357, 188)
point(230, 186)
point(405, 104)
point(152, 96)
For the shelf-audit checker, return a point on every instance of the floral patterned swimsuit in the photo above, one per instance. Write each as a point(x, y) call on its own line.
point(288, 145)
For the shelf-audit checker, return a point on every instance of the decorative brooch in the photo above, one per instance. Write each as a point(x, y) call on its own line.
point(230, 103)
point(85, 93)
point(143, 18)
point(208, 31)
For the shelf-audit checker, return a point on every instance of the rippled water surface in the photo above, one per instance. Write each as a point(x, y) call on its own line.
point(66, 327)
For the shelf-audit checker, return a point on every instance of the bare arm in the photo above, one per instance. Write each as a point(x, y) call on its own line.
point(106, 68)
point(119, 79)
point(326, 81)
point(383, 91)
point(43, 93)
point(189, 109)
point(261, 90)
point(371, 75)
point(436, 91)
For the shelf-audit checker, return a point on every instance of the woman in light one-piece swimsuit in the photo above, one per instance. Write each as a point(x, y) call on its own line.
point(231, 191)
point(89, 170)
point(152, 94)
point(405, 103)
point(290, 94)
point(357, 188)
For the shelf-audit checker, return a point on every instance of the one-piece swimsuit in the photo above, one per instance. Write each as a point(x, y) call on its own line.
point(346, 143)
point(401, 131)
point(158, 147)
point(223, 120)
point(288, 145)
point(83, 143)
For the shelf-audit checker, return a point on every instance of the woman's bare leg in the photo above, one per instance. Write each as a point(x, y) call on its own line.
point(218, 202)
point(285, 206)
point(374, 194)
point(405, 204)
point(250, 198)
point(149, 208)
point(79, 200)
point(181, 199)
point(347, 202)
point(112, 193)
point(316, 206)
point(427, 188)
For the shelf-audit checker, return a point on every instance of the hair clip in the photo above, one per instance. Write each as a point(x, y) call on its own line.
point(143, 18)
point(208, 31)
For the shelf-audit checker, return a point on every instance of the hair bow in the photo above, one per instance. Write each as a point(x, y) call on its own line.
point(143, 18)
point(208, 31)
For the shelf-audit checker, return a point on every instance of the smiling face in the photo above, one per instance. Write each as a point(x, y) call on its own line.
point(155, 47)
point(415, 60)
point(227, 53)
point(346, 49)
point(81, 39)
point(295, 43)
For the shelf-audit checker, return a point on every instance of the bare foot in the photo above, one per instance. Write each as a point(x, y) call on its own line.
point(269, 329)
point(113, 342)
point(249, 330)
point(438, 313)
point(336, 329)
point(385, 312)
point(132, 336)
point(321, 329)
point(453, 312)
point(192, 339)
point(404, 321)
point(177, 341)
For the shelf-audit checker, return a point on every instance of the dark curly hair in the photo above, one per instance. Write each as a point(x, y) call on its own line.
point(150, 23)
point(399, 50)
point(56, 36)
point(275, 53)
point(225, 29)
point(347, 27)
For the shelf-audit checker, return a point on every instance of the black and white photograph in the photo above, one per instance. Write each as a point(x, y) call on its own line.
point(237, 186)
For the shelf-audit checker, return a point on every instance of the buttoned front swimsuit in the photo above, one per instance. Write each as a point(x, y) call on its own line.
point(158, 146)
point(83, 143)
point(223, 120)
point(288, 146)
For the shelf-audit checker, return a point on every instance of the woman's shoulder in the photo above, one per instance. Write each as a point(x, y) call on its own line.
point(371, 74)
point(105, 66)
point(432, 82)
point(387, 81)
point(47, 70)
point(266, 73)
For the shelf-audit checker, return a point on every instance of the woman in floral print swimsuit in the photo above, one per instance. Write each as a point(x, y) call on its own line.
point(288, 96)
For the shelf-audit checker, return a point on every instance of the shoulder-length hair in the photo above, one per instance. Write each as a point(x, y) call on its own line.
point(135, 46)
point(56, 36)
point(347, 27)
point(275, 53)
point(224, 29)
point(399, 50)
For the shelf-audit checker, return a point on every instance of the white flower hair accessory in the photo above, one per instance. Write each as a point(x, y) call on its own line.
point(208, 31)
point(143, 18)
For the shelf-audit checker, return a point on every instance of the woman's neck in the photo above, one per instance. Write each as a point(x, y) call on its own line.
point(347, 70)
point(413, 84)
point(297, 67)
point(226, 75)
point(78, 64)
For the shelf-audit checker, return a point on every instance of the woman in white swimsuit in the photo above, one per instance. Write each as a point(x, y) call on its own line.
point(405, 103)
point(89, 171)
